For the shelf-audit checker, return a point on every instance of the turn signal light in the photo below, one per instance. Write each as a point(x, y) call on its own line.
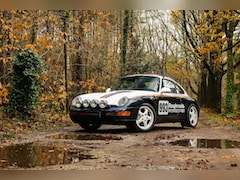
point(123, 113)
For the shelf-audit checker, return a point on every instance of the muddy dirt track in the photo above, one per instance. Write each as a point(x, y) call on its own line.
point(168, 147)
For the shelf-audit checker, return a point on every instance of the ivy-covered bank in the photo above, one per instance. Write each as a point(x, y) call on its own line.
point(25, 86)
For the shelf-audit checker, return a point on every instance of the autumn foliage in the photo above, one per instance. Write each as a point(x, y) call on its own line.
point(88, 50)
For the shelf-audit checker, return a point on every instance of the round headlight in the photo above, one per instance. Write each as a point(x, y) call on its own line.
point(86, 103)
point(93, 103)
point(123, 101)
point(103, 104)
point(77, 102)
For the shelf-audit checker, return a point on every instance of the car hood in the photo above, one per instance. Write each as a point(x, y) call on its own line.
point(113, 97)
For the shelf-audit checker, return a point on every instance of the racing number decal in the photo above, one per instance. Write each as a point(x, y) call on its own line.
point(163, 107)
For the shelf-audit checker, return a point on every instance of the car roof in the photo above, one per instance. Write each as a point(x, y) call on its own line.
point(156, 75)
point(152, 75)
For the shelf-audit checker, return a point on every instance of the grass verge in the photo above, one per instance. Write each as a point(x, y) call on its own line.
point(222, 119)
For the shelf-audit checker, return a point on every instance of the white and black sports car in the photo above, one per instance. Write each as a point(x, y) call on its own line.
point(137, 101)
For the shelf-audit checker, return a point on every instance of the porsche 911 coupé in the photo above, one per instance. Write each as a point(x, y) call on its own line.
point(138, 101)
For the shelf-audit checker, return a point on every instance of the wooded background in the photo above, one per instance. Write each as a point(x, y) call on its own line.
point(88, 50)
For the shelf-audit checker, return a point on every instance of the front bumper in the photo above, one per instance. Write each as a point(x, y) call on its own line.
point(112, 115)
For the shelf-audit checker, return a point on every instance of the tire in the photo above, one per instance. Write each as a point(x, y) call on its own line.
point(192, 116)
point(90, 126)
point(146, 118)
point(184, 124)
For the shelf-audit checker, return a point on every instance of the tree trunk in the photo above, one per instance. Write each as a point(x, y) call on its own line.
point(213, 93)
point(34, 27)
point(1, 54)
point(65, 30)
point(229, 29)
point(230, 83)
point(202, 90)
point(1, 62)
point(125, 40)
point(6, 41)
point(210, 89)
point(78, 68)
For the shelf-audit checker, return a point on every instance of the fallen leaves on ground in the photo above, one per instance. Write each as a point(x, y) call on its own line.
point(13, 129)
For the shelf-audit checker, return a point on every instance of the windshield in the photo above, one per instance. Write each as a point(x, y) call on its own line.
point(146, 83)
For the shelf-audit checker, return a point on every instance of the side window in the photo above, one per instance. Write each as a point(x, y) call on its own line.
point(172, 86)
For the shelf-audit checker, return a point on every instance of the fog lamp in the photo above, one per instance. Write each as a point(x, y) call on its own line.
point(86, 103)
point(103, 104)
point(93, 103)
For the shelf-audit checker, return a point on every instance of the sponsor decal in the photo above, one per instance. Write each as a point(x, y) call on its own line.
point(164, 108)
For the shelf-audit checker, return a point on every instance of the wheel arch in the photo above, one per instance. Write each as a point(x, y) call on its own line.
point(139, 101)
point(188, 102)
point(151, 101)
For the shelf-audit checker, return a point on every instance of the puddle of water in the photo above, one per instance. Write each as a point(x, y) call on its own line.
point(207, 143)
point(31, 155)
point(86, 137)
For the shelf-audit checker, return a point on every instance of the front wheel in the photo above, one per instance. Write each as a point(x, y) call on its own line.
point(145, 118)
point(90, 126)
point(192, 116)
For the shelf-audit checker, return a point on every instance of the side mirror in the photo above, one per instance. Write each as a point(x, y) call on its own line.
point(108, 89)
point(165, 90)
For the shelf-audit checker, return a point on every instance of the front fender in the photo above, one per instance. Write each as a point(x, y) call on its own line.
point(137, 102)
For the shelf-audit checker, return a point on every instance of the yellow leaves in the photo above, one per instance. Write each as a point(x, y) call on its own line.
point(3, 93)
point(32, 47)
point(174, 16)
point(212, 46)
point(87, 86)
point(71, 84)
point(90, 86)
point(41, 44)
point(227, 157)
point(203, 50)
point(101, 88)
point(209, 47)
point(49, 47)
point(6, 27)
point(45, 42)
point(52, 18)
point(7, 48)
point(61, 93)
point(50, 99)
point(218, 60)
point(105, 24)
point(5, 60)
point(106, 15)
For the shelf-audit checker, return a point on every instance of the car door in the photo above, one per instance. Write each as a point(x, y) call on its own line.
point(170, 104)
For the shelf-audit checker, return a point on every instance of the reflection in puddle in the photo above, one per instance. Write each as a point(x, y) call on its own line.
point(86, 137)
point(31, 154)
point(207, 143)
